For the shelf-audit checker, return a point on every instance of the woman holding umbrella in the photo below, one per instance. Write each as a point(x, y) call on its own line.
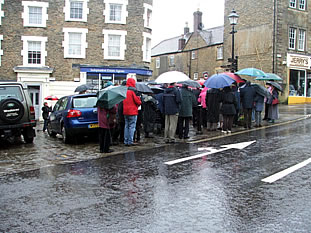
point(273, 102)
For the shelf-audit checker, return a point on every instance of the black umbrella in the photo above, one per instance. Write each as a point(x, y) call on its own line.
point(82, 88)
point(261, 90)
point(157, 90)
point(276, 85)
point(190, 83)
point(143, 87)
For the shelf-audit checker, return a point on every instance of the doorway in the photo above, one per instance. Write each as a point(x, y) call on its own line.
point(34, 93)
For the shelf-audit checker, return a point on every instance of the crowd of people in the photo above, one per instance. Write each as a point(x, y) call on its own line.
point(177, 106)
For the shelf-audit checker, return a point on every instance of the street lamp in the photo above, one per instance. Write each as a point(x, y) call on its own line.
point(233, 19)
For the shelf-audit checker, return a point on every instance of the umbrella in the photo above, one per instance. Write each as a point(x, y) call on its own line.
point(218, 81)
point(51, 97)
point(172, 77)
point(276, 85)
point(110, 96)
point(143, 87)
point(190, 83)
point(270, 76)
point(157, 90)
point(82, 88)
point(252, 72)
point(261, 90)
point(236, 77)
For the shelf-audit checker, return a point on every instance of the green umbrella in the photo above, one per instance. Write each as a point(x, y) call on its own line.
point(252, 72)
point(270, 76)
point(110, 96)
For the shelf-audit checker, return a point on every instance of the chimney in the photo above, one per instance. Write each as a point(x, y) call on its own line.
point(186, 29)
point(181, 43)
point(197, 21)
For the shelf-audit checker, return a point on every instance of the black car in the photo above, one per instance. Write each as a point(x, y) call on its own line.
point(73, 117)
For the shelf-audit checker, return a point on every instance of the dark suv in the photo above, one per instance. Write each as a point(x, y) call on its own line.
point(17, 114)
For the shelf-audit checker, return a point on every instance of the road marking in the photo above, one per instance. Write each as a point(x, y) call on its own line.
point(239, 146)
point(286, 172)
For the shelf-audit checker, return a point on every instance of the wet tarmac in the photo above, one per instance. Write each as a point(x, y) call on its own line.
point(72, 188)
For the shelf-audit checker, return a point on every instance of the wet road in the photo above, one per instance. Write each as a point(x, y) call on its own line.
point(138, 192)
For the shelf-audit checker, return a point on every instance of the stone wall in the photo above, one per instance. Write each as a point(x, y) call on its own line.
point(12, 29)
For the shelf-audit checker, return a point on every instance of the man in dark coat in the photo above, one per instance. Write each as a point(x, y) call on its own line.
point(228, 109)
point(171, 103)
point(213, 98)
point(187, 102)
point(149, 108)
point(247, 94)
point(45, 115)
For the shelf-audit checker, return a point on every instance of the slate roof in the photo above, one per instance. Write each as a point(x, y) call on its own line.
point(211, 36)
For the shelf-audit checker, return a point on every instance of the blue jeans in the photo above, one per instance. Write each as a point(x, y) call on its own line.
point(129, 129)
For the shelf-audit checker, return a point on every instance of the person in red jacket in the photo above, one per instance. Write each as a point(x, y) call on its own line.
point(130, 112)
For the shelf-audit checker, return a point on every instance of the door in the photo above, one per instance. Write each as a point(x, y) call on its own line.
point(34, 92)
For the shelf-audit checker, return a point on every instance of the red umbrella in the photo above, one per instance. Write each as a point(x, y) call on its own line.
point(235, 77)
point(51, 97)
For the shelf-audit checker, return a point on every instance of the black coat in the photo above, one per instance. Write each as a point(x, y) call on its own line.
point(229, 103)
point(149, 108)
point(171, 101)
point(213, 99)
point(248, 94)
point(45, 112)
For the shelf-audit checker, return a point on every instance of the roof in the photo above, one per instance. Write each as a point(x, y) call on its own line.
point(211, 36)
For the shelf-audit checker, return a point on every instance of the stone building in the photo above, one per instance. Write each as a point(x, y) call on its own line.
point(55, 45)
point(197, 54)
point(273, 36)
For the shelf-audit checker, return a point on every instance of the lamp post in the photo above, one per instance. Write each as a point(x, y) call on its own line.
point(233, 19)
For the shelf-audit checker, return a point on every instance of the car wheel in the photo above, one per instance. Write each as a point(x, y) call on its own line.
point(51, 133)
point(29, 134)
point(11, 110)
point(66, 136)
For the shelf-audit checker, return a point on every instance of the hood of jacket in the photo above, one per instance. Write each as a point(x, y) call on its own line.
point(131, 82)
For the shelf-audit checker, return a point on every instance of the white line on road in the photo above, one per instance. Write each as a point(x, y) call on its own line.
point(285, 172)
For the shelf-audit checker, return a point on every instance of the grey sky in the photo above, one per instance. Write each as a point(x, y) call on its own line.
point(170, 16)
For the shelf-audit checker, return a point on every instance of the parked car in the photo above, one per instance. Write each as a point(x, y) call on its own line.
point(73, 117)
point(17, 114)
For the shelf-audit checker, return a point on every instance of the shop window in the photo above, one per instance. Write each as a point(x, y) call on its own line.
point(115, 11)
point(75, 42)
point(297, 85)
point(34, 51)
point(35, 13)
point(114, 44)
point(76, 10)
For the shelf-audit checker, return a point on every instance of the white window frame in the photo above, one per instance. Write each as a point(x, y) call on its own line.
point(24, 52)
point(84, 44)
point(292, 32)
point(302, 5)
point(292, 3)
point(106, 34)
point(147, 23)
point(195, 76)
point(1, 50)
point(25, 14)
point(85, 11)
point(124, 12)
point(220, 53)
point(301, 40)
point(158, 62)
point(1, 11)
point(146, 48)
point(171, 60)
point(193, 55)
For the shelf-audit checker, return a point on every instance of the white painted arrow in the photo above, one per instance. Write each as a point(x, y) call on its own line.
point(211, 150)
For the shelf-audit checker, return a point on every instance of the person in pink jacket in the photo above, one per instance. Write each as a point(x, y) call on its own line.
point(202, 102)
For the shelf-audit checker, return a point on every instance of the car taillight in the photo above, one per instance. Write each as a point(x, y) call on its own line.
point(73, 113)
point(32, 110)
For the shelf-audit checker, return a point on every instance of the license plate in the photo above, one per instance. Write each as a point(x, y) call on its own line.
point(93, 126)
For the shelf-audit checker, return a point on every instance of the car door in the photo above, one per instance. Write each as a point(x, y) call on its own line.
point(56, 114)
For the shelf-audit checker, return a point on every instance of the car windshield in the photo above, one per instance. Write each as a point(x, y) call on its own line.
point(11, 92)
point(84, 102)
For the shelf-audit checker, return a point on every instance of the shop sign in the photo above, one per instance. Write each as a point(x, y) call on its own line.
point(298, 61)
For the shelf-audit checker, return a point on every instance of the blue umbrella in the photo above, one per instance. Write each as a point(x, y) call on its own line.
point(270, 76)
point(252, 72)
point(218, 81)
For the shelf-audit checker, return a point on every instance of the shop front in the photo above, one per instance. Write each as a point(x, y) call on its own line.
point(299, 73)
point(98, 76)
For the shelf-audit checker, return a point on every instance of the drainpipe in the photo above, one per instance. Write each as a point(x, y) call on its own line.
point(274, 68)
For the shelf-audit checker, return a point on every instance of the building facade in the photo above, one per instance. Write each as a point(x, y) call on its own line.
point(197, 54)
point(55, 45)
point(274, 36)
